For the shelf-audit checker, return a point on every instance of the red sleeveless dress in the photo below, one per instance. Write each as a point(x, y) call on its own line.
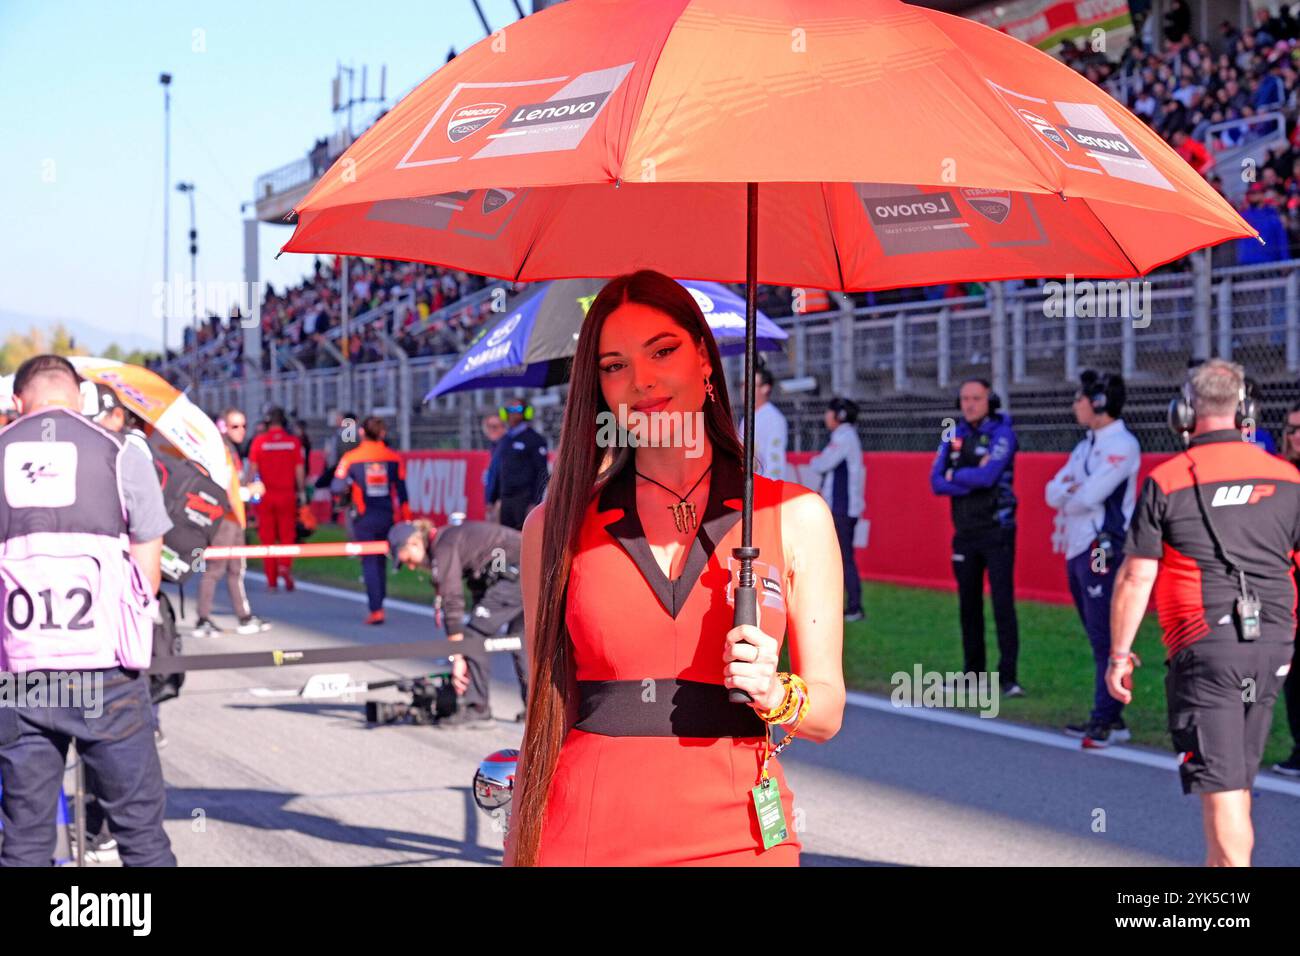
point(657, 800)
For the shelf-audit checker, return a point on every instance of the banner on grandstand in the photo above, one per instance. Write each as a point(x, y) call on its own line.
point(1047, 23)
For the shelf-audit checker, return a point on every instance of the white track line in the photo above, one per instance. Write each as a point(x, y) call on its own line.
point(1265, 780)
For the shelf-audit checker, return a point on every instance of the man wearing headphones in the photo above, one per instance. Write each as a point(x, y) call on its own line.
point(1221, 522)
point(521, 472)
point(1095, 493)
point(975, 468)
point(843, 485)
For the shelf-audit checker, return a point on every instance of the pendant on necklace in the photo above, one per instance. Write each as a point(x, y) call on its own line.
point(682, 511)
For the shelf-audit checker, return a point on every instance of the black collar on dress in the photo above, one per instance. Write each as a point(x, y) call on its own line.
point(726, 486)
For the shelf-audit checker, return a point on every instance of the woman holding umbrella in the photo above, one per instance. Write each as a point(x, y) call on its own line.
point(632, 753)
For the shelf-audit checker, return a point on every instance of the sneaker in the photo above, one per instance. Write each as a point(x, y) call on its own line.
point(474, 717)
point(1079, 730)
point(1289, 767)
point(252, 625)
point(103, 851)
point(1102, 735)
point(855, 616)
point(1119, 731)
point(375, 617)
point(204, 627)
point(1013, 690)
point(288, 582)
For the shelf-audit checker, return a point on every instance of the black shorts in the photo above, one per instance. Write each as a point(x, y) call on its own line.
point(1221, 695)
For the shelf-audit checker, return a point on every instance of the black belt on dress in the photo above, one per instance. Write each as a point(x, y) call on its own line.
point(663, 707)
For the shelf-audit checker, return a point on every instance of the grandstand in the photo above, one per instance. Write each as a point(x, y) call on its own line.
point(1225, 96)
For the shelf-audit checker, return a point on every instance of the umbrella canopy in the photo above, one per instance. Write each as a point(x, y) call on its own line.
point(191, 432)
point(531, 345)
point(895, 146)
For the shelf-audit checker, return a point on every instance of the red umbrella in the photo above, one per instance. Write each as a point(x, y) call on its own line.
point(895, 145)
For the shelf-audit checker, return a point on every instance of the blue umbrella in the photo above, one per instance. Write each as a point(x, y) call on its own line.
point(532, 346)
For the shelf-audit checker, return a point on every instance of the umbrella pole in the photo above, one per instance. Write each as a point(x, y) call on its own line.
point(746, 593)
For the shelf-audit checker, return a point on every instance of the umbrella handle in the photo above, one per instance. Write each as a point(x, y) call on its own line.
point(746, 597)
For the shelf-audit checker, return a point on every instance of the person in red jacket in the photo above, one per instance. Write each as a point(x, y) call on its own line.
point(276, 460)
point(375, 475)
point(1193, 152)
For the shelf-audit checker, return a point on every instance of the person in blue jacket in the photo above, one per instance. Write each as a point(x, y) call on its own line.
point(975, 468)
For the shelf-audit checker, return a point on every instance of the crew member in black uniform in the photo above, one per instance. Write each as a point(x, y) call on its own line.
point(1221, 522)
point(520, 472)
point(975, 467)
point(484, 557)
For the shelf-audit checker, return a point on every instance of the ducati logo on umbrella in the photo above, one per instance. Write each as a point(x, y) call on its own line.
point(494, 199)
point(471, 119)
point(993, 204)
point(1045, 129)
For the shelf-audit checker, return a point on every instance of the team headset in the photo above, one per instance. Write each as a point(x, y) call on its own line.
point(1101, 391)
point(1182, 413)
point(1182, 420)
point(845, 410)
point(518, 408)
point(995, 400)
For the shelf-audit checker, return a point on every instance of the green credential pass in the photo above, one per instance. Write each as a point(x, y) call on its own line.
point(771, 815)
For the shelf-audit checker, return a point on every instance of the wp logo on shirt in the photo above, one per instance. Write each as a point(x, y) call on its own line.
point(1240, 494)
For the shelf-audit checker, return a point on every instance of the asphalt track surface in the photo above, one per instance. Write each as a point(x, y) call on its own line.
point(274, 781)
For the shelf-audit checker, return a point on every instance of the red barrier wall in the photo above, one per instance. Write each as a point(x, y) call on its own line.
point(909, 539)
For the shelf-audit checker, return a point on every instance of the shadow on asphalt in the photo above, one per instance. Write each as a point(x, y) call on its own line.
point(267, 810)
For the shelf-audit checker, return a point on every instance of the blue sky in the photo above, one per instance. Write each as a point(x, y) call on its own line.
point(82, 162)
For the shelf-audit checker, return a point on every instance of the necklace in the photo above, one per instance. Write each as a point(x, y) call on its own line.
point(683, 510)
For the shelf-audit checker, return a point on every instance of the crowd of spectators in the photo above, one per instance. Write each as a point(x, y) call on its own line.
point(305, 320)
point(1189, 90)
point(1186, 92)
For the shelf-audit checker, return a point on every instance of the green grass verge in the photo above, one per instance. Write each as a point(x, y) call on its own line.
point(908, 626)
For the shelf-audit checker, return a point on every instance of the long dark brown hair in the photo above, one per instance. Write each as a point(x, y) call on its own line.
point(581, 469)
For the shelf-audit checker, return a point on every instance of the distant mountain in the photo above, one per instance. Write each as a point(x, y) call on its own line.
point(90, 337)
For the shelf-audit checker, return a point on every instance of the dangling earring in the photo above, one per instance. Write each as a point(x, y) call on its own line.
point(708, 390)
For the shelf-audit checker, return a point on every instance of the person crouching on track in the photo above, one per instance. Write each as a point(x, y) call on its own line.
point(376, 477)
point(485, 556)
point(1220, 522)
point(1095, 493)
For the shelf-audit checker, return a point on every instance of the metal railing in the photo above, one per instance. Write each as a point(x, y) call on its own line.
point(1018, 336)
point(1252, 138)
